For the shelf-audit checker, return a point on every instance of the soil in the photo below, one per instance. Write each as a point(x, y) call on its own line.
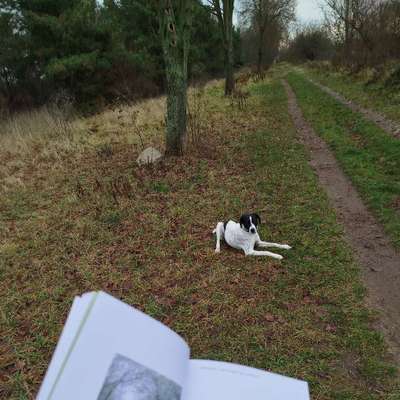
point(379, 260)
point(389, 126)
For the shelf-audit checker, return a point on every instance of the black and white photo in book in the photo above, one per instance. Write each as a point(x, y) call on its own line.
point(128, 380)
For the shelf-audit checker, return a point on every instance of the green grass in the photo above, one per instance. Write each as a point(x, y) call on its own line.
point(369, 156)
point(377, 96)
point(303, 317)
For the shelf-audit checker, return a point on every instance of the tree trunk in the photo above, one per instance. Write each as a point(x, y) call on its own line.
point(229, 70)
point(259, 58)
point(175, 26)
point(228, 23)
point(260, 52)
point(225, 17)
point(347, 29)
point(176, 106)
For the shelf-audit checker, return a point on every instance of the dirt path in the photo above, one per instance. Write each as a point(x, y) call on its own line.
point(389, 126)
point(379, 260)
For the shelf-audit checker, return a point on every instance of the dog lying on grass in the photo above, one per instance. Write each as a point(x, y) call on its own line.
point(244, 236)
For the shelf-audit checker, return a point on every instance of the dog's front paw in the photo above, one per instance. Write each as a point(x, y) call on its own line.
point(278, 257)
point(217, 251)
point(286, 247)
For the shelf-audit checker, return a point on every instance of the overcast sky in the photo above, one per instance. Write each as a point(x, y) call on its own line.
point(309, 10)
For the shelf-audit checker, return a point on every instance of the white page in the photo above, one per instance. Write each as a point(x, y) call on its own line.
point(121, 349)
point(68, 334)
point(213, 380)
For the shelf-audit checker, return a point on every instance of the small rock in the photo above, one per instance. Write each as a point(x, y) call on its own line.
point(149, 156)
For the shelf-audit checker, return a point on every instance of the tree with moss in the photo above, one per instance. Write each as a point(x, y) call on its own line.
point(175, 21)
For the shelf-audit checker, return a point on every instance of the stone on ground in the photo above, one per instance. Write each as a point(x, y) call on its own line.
point(149, 156)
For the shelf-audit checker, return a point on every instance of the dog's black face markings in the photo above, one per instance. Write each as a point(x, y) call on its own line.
point(256, 219)
point(249, 222)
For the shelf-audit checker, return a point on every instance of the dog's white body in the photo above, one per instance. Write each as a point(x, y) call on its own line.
point(238, 238)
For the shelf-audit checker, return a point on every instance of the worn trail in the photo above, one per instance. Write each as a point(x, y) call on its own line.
point(379, 260)
point(389, 126)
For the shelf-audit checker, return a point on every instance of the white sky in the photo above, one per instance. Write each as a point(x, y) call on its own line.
point(309, 10)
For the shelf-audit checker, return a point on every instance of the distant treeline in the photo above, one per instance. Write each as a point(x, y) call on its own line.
point(355, 35)
point(92, 52)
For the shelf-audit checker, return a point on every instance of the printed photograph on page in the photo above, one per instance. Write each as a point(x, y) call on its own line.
point(128, 380)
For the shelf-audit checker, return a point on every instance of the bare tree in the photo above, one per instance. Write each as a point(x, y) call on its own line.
point(347, 28)
point(223, 10)
point(261, 14)
point(354, 17)
point(362, 33)
point(175, 20)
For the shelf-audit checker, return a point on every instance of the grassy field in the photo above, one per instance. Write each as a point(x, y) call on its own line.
point(375, 95)
point(369, 156)
point(82, 216)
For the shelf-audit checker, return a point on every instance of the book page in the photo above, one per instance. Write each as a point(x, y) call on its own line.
point(71, 327)
point(213, 380)
point(122, 353)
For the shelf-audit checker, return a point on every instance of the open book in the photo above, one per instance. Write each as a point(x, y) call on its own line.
point(108, 350)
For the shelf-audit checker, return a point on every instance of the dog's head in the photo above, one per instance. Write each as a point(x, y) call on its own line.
point(249, 222)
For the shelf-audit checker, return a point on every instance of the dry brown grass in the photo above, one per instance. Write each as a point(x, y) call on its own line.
point(139, 124)
point(19, 133)
point(34, 137)
point(47, 138)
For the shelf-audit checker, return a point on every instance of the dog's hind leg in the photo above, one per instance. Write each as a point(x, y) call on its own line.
point(264, 253)
point(219, 231)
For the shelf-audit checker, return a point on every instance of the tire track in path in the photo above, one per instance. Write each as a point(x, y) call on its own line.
point(379, 260)
point(390, 127)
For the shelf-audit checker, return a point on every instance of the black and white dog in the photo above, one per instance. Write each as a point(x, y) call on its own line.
point(244, 236)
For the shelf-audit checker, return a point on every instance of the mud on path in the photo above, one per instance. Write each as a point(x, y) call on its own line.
point(379, 260)
point(389, 126)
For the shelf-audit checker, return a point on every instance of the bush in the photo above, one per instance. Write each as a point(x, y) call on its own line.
point(394, 79)
point(312, 43)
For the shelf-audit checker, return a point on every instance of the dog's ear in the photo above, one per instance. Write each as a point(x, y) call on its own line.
point(257, 218)
point(242, 220)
